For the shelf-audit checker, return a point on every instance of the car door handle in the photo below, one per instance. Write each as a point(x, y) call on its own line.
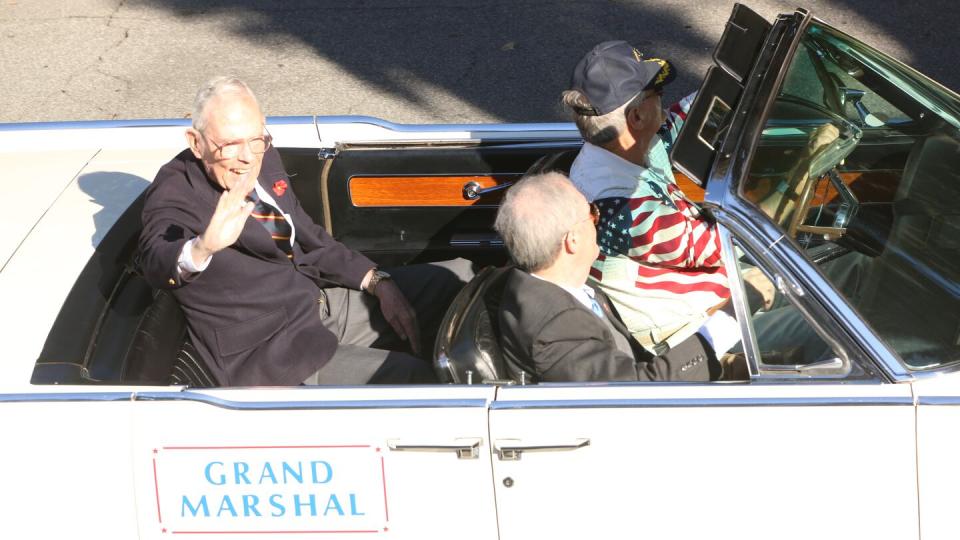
point(510, 449)
point(473, 191)
point(466, 448)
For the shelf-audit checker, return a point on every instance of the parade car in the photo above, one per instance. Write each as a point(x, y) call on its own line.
point(113, 428)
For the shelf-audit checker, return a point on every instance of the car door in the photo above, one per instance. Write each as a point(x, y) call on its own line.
point(401, 462)
point(698, 461)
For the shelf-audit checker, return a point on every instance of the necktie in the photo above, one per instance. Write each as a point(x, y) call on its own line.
point(594, 304)
point(274, 222)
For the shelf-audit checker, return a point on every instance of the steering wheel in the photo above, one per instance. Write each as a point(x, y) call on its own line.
point(823, 158)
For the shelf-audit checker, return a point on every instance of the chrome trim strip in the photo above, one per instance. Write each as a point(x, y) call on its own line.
point(537, 128)
point(700, 402)
point(311, 404)
point(938, 400)
point(242, 405)
point(143, 122)
point(414, 128)
point(49, 397)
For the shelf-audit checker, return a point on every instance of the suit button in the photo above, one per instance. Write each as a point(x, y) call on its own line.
point(172, 281)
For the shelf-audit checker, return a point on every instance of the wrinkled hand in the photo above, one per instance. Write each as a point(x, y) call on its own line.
point(755, 278)
point(227, 221)
point(399, 313)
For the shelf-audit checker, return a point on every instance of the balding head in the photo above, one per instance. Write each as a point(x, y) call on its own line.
point(535, 216)
point(213, 89)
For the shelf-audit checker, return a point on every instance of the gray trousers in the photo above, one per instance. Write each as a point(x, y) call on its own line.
point(783, 328)
point(370, 352)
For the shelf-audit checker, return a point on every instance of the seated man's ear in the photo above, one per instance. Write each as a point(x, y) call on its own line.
point(635, 119)
point(193, 141)
point(570, 242)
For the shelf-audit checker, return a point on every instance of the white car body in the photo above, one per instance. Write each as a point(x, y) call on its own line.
point(775, 456)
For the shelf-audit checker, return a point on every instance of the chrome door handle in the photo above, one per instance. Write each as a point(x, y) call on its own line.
point(466, 448)
point(510, 449)
point(472, 190)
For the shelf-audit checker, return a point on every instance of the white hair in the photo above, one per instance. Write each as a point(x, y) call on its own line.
point(534, 216)
point(215, 87)
point(599, 130)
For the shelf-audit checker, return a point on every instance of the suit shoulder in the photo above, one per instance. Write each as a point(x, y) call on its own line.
point(171, 178)
point(540, 305)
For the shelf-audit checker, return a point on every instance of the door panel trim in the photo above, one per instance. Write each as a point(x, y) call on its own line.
point(245, 405)
point(407, 191)
point(703, 402)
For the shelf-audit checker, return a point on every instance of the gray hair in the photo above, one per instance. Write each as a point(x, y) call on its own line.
point(534, 216)
point(598, 130)
point(215, 87)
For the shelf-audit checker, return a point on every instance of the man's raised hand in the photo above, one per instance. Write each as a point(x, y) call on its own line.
point(227, 221)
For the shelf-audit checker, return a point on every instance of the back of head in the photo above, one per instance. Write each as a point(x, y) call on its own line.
point(534, 216)
point(606, 83)
point(216, 87)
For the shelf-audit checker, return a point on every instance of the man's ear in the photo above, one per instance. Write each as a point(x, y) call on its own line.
point(570, 242)
point(635, 120)
point(193, 141)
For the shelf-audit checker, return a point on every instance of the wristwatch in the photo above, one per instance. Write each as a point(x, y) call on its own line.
point(375, 279)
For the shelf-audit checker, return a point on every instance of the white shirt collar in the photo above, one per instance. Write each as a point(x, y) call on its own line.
point(599, 173)
point(584, 295)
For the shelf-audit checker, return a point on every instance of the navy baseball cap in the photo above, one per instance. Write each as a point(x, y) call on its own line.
point(613, 73)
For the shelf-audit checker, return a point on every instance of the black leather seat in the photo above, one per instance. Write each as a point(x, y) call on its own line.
point(467, 350)
point(161, 352)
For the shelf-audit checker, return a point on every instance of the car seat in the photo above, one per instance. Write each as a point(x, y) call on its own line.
point(467, 350)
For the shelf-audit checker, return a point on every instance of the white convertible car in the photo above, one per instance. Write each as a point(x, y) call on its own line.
point(112, 429)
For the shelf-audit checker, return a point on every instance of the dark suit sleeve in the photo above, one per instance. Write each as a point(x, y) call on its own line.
point(569, 347)
point(334, 260)
point(169, 220)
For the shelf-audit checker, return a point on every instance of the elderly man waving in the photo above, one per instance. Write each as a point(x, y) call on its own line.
point(269, 297)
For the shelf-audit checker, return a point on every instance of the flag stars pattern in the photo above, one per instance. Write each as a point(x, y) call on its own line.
point(613, 236)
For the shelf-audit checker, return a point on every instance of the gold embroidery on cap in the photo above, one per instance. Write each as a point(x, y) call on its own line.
point(664, 70)
point(638, 55)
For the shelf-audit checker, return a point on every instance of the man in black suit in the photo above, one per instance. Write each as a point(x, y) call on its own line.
point(553, 326)
point(269, 297)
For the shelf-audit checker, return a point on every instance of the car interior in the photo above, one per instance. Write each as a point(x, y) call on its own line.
point(115, 329)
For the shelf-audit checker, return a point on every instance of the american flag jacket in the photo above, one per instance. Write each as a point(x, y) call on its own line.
point(659, 257)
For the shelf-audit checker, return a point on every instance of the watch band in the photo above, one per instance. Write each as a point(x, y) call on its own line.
point(375, 279)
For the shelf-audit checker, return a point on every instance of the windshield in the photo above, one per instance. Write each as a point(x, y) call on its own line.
point(859, 163)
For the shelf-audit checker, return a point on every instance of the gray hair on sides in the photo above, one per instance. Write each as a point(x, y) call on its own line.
point(215, 87)
point(598, 130)
point(535, 215)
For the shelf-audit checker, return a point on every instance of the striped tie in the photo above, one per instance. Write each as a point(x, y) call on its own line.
point(273, 221)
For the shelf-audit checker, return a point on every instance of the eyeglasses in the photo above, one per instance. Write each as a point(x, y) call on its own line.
point(231, 149)
point(594, 215)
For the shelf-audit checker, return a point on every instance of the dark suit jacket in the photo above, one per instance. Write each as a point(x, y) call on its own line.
point(548, 334)
point(253, 313)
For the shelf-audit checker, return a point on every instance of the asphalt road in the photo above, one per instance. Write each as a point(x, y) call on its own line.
point(411, 61)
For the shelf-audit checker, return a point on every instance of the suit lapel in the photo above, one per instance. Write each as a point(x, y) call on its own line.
point(609, 312)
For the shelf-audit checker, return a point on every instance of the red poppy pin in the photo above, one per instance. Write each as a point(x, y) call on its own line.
point(280, 187)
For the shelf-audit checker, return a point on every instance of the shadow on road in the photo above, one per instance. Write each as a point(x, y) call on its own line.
point(493, 55)
point(512, 58)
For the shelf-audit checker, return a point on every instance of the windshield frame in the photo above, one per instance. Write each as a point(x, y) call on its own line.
point(746, 221)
